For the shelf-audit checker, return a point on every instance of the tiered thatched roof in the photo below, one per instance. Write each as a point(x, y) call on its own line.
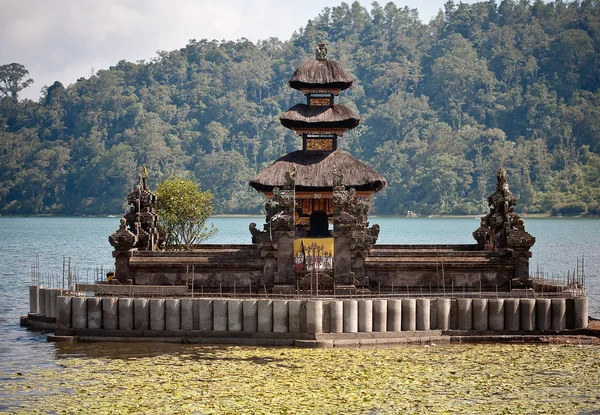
point(320, 74)
point(304, 116)
point(314, 172)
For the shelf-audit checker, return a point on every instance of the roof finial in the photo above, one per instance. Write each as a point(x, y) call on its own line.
point(322, 51)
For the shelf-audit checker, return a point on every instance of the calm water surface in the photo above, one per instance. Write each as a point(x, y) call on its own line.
point(85, 241)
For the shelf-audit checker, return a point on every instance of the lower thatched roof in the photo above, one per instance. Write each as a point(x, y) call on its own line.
point(304, 116)
point(314, 172)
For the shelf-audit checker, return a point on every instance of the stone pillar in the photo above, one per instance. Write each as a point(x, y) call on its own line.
point(34, 300)
point(141, 314)
point(465, 313)
point(126, 314)
point(220, 315)
point(250, 316)
point(265, 316)
point(280, 316)
point(343, 258)
point(79, 312)
point(409, 314)
point(63, 312)
point(394, 315)
point(172, 314)
point(433, 313)
point(48, 302)
point(496, 313)
point(336, 316)
point(157, 314)
point(314, 316)
point(511, 314)
point(480, 314)
point(350, 316)
point(380, 315)
point(559, 314)
point(581, 313)
point(94, 313)
point(294, 307)
point(235, 315)
point(205, 318)
point(285, 259)
point(527, 314)
point(365, 316)
point(110, 313)
point(543, 314)
point(42, 301)
point(423, 314)
point(453, 314)
point(53, 296)
point(443, 313)
point(187, 313)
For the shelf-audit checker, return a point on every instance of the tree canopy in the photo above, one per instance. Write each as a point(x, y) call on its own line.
point(443, 104)
point(183, 209)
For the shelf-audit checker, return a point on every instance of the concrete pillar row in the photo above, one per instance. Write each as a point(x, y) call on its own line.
point(496, 314)
point(34, 300)
point(141, 314)
point(94, 313)
point(480, 314)
point(280, 316)
point(409, 314)
point(172, 314)
point(527, 314)
point(110, 313)
point(559, 314)
point(126, 318)
point(63, 312)
point(250, 316)
point(465, 313)
point(423, 314)
point(380, 315)
point(443, 313)
point(350, 316)
point(79, 312)
point(365, 316)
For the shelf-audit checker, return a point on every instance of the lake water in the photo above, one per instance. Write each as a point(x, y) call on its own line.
point(559, 242)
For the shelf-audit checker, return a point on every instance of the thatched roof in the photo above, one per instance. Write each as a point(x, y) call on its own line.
point(320, 74)
point(304, 116)
point(314, 172)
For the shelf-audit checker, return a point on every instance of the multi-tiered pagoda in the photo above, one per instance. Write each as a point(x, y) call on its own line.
point(311, 189)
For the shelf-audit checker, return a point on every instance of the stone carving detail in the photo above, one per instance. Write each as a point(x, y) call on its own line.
point(141, 220)
point(280, 213)
point(502, 228)
point(351, 214)
point(321, 53)
point(122, 239)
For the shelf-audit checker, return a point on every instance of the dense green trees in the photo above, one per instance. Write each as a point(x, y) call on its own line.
point(443, 105)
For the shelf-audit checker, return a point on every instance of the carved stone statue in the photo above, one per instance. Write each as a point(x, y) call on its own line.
point(321, 52)
point(502, 228)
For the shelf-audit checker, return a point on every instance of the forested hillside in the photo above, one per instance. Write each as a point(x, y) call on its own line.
point(442, 104)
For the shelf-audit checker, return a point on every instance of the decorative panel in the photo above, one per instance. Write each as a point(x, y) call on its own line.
point(318, 144)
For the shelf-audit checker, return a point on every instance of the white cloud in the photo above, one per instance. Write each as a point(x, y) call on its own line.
point(63, 39)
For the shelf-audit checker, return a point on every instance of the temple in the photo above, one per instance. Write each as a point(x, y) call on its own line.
point(316, 238)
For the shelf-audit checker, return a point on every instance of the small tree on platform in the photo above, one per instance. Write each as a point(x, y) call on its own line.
point(183, 210)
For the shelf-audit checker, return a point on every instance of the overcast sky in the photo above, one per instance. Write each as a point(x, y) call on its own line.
point(64, 39)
